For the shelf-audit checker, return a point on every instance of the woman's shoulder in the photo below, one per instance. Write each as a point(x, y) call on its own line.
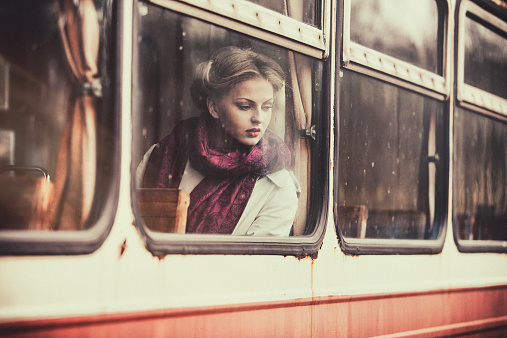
point(284, 179)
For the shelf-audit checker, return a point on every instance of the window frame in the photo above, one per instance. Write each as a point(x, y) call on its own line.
point(160, 244)
point(390, 69)
point(467, 95)
point(477, 101)
point(4, 84)
point(376, 65)
point(259, 22)
point(32, 242)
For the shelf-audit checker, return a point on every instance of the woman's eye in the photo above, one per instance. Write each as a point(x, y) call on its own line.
point(267, 107)
point(244, 107)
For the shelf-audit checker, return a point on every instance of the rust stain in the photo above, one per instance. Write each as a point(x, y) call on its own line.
point(123, 246)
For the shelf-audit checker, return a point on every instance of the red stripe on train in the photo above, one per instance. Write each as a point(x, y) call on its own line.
point(476, 311)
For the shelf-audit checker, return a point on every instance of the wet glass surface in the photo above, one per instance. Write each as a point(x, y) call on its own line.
point(387, 173)
point(485, 58)
point(37, 93)
point(166, 64)
point(409, 30)
point(480, 176)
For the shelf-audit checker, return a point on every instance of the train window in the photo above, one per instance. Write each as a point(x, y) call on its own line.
point(389, 170)
point(406, 30)
point(299, 21)
point(225, 129)
point(485, 68)
point(480, 178)
point(390, 173)
point(306, 10)
point(405, 41)
point(481, 71)
point(480, 133)
point(55, 108)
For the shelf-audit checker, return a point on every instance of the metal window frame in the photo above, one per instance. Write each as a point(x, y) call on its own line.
point(478, 246)
point(363, 60)
point(479, 101)
point(32, 242)
point(160, 244)
point(401, 246)
point(387, 68)
point(259, 22)
point(4, 84)
point(467, 95)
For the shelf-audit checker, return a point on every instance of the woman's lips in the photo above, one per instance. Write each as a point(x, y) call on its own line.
point(254, 132)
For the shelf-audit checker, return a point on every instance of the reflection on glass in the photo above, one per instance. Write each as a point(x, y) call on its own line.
point(409, 30)
point(307, 11)
point(214, 104)
point(41, 142)
point(387, 174)
point(480, 177)
point(485, 58)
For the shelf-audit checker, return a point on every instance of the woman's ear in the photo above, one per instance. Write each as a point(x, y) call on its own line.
point(210, 102)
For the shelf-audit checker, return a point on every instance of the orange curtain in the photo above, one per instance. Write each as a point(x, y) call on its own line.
point(301, 83)
point(76, 161)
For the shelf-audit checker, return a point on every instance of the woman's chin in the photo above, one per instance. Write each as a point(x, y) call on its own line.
point(250, 141)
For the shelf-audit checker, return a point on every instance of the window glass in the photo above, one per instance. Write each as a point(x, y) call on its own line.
point(307, 11)
point(480, 176)
point(205, 139)
point(485, 58)
point(410, 30)
point(389, 170)
point(53, 176)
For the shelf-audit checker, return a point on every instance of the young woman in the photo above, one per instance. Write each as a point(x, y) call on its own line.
point(233, 167)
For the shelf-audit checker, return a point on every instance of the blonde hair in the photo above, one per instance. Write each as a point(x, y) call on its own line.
point(228, 67)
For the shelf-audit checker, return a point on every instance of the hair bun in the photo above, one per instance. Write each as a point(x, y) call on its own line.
point(228, 67)
point(198, 89)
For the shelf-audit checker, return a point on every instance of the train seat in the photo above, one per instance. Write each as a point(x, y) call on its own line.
point(353, 220)
point(164, 210)
point(358, 221)
point(24, 202)
point(396, 223)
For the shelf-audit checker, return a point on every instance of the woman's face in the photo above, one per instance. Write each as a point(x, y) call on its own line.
point(245, 111)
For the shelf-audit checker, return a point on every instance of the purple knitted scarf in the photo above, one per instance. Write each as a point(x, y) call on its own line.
point(217, 202)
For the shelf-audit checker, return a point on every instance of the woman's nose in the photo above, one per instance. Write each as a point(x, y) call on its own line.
point(257, 115)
